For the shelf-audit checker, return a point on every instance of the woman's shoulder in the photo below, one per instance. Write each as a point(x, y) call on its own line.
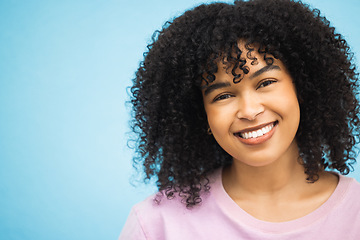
point(345, 201)
point(346, 182)
point(350, 187)
point(148, 218)
point(176, 203)
point(158, 215)
point(158, 204)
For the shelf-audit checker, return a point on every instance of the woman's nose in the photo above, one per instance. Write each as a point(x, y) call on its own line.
point(249, 107)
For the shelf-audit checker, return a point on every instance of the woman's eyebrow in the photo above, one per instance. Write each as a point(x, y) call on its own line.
point(209, 89)
point(264, 69)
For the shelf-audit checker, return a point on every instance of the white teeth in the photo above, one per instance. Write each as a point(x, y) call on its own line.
point(246, 135)
point(257, 133)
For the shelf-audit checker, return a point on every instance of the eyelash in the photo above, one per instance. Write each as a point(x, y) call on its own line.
point(262, 84)
point(222, 97)
point(265, 83)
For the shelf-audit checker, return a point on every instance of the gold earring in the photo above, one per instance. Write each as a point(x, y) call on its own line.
point(209, 131)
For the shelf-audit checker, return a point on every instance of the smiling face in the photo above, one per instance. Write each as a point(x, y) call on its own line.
point(255, 120)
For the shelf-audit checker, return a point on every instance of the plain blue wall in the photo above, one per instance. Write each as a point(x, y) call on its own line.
point(64, 69)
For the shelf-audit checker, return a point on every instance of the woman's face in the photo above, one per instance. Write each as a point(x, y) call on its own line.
point(255, 120)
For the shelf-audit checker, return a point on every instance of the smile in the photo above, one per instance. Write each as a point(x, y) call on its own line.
point(258, 134)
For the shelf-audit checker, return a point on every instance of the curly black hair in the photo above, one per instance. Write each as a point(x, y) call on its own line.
point(169, 116)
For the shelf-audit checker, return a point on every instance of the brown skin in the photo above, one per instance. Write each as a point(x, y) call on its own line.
point(277, 197)
point(266, 178)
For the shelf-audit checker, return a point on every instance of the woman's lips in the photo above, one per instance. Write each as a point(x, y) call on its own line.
point(257, 135)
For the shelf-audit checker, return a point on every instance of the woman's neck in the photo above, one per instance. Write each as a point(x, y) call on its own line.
point(277, 192)
point(283, 174)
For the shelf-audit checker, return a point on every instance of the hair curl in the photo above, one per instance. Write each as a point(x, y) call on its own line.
point(169, 115)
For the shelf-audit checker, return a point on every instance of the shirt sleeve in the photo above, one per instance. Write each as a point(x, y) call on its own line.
point(132, 229)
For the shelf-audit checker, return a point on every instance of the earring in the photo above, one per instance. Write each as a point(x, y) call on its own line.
point(209, 131)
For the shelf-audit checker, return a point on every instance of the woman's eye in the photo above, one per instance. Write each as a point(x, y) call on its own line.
point(266, 83)
point(222, 97)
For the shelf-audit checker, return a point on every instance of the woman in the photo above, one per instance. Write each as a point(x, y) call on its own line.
point(242, 111)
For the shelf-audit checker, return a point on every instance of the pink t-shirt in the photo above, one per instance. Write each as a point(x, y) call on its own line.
point(219, 217)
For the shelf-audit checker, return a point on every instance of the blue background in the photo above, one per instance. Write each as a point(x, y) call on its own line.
point(64, 68)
